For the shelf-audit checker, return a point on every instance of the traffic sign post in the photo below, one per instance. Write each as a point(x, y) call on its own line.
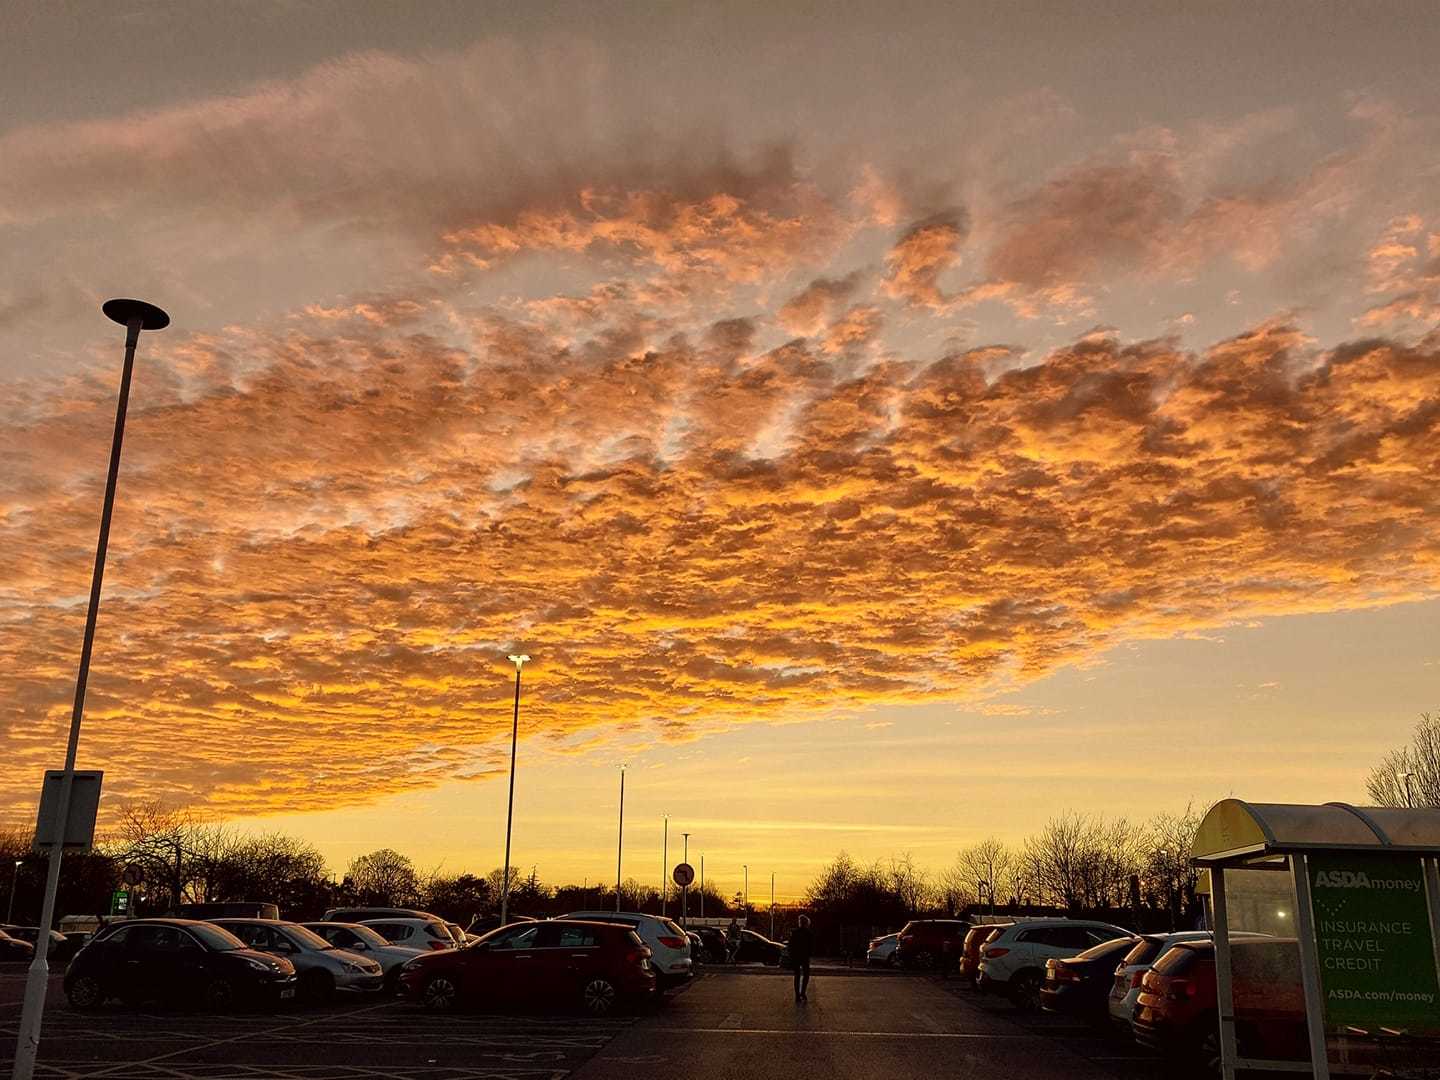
point(683, 875)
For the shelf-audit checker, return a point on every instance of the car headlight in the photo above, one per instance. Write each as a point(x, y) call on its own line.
point(412, 965)
point(353, 968)
point(260, 965)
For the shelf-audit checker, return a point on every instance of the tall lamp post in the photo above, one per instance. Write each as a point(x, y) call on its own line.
point(664, 866)
point(135, 316)
point(746, 894)
point(519, 662)
point(772, 905)
point(620, 841)
point(1409, 794)
point(702, 885)
point(14, 885)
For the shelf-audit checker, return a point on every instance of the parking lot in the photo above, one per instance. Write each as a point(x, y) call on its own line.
point(727, 1024)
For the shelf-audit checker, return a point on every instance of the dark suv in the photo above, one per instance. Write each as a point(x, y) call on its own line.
point(559, 963)
point(180, 961)
point(924, 943)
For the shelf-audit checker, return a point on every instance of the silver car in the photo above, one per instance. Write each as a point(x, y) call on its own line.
point(355, 938)
point(322, 967)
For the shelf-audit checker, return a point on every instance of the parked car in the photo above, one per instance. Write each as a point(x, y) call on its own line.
point(485, 923)
point(323, 969)
point(1176, 1012)
point(1013, 961)
point(457, 935)
point(175, 960)
point(757, 948)
point(365, 941)
point(923, 942)
point(1143, 955)
point(669, 947)
point(713, 940)
point(413, 933)
point(13, 948)
point(597, 966)
point(365, 914)
point(227, 909)
point(975, 939)
point(61, 947)
point(697, 947)
point(881, 952)
point(1079, 985)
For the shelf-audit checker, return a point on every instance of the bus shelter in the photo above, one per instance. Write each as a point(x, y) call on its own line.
point(1363, 886)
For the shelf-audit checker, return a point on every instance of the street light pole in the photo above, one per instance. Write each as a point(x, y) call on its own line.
point(519, 662)
point(772, 905)
point(14, 885)
point(746, 894)
point(620, 839)
point(1409, 795)
point(664, 866)
point(702, 885)
point(135, 316)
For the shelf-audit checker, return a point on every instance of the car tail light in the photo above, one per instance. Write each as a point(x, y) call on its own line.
point(438, 944)
point(672, 942)
point(1179, 989)
point(995, 952)
point(1136, 978)
point(1060, 973)
point(907, 937)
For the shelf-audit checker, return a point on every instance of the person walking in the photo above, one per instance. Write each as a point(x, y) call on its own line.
point(802, 947)
point(732, 941)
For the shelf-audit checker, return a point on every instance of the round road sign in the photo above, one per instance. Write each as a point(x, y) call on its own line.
point(683, 874)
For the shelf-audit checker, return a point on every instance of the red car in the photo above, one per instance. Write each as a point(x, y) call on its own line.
point(598, 966)
point(975, 940)
point(1176, 1012)
point(925, 943)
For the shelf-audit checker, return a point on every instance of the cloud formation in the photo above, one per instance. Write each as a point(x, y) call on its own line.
point(714, 436)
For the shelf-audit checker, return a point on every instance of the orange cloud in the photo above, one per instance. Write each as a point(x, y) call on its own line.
point(336, 545)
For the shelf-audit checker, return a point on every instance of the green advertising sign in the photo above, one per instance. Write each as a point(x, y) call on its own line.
point(119, 902)
point(1372, 931)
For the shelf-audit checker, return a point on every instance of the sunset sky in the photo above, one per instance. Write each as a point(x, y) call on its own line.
point(884, 425)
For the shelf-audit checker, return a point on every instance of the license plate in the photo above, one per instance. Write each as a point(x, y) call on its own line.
point(288, 992)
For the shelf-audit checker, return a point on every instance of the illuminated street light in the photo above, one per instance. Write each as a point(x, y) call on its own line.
point(135, 316)
point(519, 662)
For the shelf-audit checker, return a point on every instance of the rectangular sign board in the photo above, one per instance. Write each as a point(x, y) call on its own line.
point(84, 805)
point(120, 902)
point(1372, 933)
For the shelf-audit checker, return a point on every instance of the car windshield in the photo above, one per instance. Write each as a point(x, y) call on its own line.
point(216, 938)
point(306, 939)
point(1114, 947)
point(368, 935)
point(1143, 951)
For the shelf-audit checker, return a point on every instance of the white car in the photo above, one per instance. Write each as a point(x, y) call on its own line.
point(669, 946)
point(322, 968)
point(1140, 959)
point(881, 952)
point(1013, 961)
point(365, 941)
point(413, 933)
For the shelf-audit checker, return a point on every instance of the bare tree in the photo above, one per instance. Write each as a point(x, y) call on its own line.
point(1388, 785)
point(986, 866)
point(909, 883)
point(383, 877)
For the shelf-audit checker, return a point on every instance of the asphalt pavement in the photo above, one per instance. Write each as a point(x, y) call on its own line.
point(729, 1024)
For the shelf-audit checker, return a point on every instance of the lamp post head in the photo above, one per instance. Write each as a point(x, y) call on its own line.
point(519, 661)
point(124, 311)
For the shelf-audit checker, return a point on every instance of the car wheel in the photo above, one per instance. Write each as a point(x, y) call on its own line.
point(220, 995)
point(440, 993)
point(317, 987)
point(85, 992)
point(924, 961)
point(1025, 991)
point(598, 996)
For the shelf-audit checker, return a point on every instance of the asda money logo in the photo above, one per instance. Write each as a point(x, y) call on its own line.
point(1358, 879)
